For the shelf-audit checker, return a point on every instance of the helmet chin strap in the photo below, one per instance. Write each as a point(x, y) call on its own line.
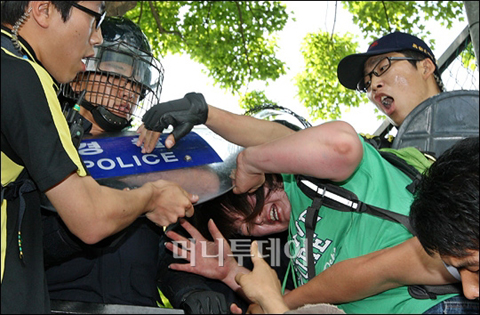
point(105, 119)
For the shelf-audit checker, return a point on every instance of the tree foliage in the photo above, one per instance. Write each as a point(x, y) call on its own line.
point(318, 86)
point(377, 18)
point(234, 40)
point(251, 99)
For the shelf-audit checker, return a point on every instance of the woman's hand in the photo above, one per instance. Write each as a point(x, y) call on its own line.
point(213, 260)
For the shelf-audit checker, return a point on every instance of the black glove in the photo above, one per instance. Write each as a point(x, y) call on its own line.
point(205, 302)
point(182, 114)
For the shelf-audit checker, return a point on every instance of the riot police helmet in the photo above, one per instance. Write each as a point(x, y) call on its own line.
point(122, 80)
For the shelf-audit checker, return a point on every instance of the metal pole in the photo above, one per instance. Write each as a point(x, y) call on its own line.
point(471, 7)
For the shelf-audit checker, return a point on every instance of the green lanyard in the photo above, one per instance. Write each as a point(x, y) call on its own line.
point(289, 269)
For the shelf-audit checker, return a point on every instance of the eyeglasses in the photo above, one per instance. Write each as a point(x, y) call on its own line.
point(380, 68)
point(98, 17)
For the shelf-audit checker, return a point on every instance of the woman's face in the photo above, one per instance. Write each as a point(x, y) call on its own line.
point(273, 218)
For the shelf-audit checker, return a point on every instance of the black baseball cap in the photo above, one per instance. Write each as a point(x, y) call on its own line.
point(350, 68)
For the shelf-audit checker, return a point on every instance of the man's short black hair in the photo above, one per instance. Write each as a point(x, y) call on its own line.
point(12, 11)
point(444, 213)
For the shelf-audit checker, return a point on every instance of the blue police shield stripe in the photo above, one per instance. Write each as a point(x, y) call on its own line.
point(119, 156)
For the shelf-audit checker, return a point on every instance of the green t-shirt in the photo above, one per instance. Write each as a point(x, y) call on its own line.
point(343, 235)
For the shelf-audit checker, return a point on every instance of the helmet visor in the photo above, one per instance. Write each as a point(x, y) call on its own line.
point(140, 68)
point(128, 68)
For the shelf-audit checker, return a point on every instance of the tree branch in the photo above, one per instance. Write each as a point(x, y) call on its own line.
point(207, 20)
point(162, 30)
point(386, 15)
point(244, 41)
point(141, 13)
point(119, 8)
point(334, 20)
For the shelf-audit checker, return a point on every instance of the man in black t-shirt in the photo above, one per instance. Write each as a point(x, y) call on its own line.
point(43, 44)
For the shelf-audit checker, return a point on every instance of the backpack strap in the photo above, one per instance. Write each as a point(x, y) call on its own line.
point(380, 140)
point(423, 292)
point(341, 199)
point(333, 197)
point(310, 223)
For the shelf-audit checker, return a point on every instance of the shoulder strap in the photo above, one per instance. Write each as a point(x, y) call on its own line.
point(341, 199)
point(337, 198)
point(379, 141)
point(423, 292)
point(310, 223)
point(400, 163)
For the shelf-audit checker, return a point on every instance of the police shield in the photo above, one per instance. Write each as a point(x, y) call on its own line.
point(440, 121)
point(201, 162)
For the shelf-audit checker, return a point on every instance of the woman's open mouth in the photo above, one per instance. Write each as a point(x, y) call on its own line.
point(274, 213)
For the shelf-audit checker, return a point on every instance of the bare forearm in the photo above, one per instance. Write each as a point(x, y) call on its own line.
point(244, 130)
point(93, 212)
point(274, 306)
point(121, 208)
point(343, 282)
point(358, 278)
point(334, 148)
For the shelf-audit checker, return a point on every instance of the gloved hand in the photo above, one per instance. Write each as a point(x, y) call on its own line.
point(182, 114)
point(205, 302)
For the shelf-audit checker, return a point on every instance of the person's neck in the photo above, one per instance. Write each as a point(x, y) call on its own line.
point(95, 130)
point(432, 87)
point(31, 38)
point(25, 49)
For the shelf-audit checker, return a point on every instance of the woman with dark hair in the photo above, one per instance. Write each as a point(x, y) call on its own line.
point(242, 215)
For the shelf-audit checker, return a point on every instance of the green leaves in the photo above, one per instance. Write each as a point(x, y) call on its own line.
point(251, 99)
point(234, 40)
point(318, 86)
point(378, 18)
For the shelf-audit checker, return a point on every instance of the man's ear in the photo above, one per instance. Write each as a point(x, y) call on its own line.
point(41, 12)
point(428, 67)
